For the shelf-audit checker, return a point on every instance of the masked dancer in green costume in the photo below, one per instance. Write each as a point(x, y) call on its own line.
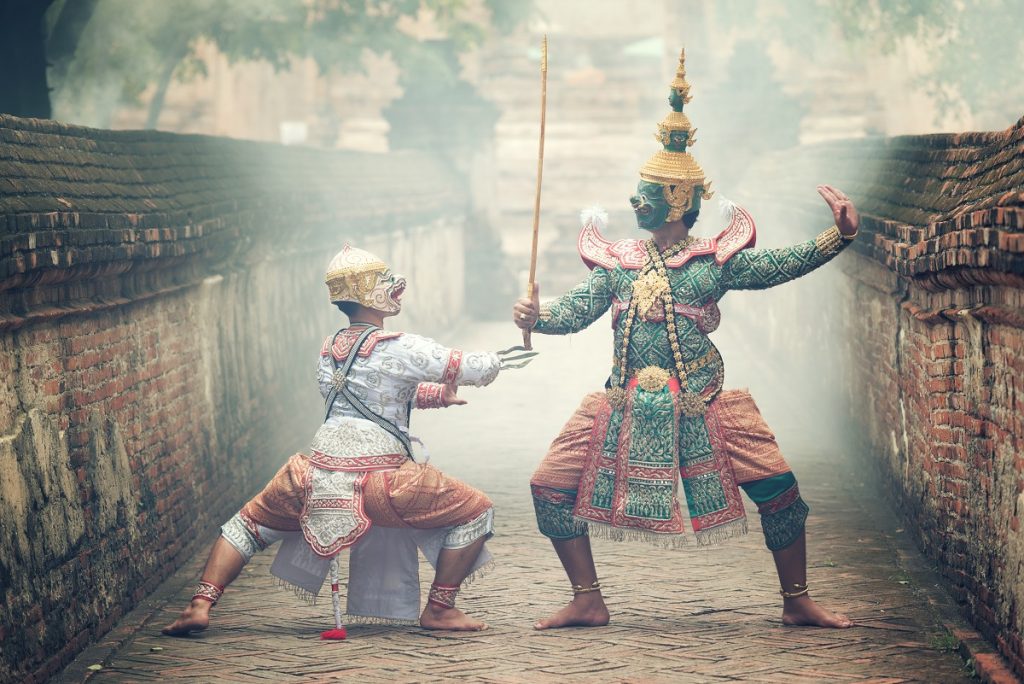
point(615, 468)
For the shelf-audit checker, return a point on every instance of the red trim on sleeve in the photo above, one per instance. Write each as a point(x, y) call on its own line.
point(451, 371)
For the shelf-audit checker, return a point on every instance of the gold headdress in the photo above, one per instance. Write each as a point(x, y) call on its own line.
point(353, 274)
point(673, 167)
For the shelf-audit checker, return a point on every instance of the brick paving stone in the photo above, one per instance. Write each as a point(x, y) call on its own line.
point(684, 615)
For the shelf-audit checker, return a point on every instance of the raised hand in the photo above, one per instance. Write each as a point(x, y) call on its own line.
point(843, 212)
point(525, 311)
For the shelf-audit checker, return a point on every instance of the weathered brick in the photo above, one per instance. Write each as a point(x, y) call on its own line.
point(123, 347)
point(945, 416)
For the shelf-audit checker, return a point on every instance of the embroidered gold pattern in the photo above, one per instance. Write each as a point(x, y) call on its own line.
point(653, 273)
point(649, 289)
point(653, 378)
point(692, 404)
point(616, 397)
point(829, 242)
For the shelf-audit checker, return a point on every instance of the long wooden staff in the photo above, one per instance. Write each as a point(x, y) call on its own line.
point(540, 175)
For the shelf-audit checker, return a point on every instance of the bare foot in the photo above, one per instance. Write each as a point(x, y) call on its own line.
point(195, 618)
point(435, 617)
point(804, 612)
point(582, 611)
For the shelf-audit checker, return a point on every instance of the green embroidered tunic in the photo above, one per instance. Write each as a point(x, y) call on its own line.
point(633, 481)
point(698, 284)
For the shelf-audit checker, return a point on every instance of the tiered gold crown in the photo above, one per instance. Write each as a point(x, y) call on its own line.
point(673, 165)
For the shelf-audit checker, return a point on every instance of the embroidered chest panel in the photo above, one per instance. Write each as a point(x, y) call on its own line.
point(342, 346)
point(695, 284)
point(695, 290)
point(649, 345)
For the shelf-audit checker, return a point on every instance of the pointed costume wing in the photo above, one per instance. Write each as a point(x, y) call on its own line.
point(596, 250)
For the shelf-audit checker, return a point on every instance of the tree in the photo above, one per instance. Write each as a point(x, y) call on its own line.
point(23, 90)
point(116, 49)
point(974, 48)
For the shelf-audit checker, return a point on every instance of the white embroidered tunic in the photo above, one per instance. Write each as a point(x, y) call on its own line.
point(392, 372)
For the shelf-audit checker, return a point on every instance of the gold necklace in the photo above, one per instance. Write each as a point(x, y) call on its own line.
point(658, 287)
point(690, 403)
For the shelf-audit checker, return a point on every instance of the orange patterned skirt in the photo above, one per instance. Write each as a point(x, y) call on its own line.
point(749, 442)
point(414, 495)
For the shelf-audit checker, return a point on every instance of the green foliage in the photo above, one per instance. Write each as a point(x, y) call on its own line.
point(129, 45)
point(973, 48)
point(945, 642)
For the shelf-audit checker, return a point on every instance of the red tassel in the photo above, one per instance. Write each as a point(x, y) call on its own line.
point(334, 634)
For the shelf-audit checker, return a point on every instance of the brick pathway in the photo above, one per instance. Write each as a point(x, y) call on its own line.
point(690, 615)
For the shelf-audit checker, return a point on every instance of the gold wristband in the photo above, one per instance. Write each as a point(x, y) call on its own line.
point(829, 242)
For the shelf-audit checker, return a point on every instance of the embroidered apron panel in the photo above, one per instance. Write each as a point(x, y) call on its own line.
point(636, 459)
point(333, 517)
point(630, 478)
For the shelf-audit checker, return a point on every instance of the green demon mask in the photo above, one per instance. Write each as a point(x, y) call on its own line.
point(653, 203)
point(649, 205)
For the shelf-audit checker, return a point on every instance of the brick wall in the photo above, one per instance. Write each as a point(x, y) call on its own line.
point(162, 307)
point(927, 321)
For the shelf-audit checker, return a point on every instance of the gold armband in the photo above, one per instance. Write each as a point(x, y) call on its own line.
point(831, 242)
point(544, 315)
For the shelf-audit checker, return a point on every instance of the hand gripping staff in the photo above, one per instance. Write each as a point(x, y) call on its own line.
point(527, 343)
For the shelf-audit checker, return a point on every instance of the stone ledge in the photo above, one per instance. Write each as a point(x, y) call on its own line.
point(988, 664)
point(81, 207)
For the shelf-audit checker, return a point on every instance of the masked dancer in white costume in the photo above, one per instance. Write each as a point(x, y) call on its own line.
point(359, 487)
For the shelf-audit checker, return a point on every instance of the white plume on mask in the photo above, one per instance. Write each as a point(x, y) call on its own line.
point(596, 215)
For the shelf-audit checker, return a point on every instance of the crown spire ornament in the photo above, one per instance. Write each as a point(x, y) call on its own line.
point(679, 83)
point(681, 177)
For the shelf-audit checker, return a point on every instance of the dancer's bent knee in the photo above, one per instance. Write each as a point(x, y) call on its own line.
point(461, 536)
point(247, 536)
point(783, 511)
point(553, 508)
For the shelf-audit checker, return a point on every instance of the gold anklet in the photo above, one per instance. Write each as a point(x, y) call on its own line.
point(799, 590)
point(580, 589)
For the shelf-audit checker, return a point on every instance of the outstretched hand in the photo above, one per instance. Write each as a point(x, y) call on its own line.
point(525, 311)
point(450, 396)
point(845, 214)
